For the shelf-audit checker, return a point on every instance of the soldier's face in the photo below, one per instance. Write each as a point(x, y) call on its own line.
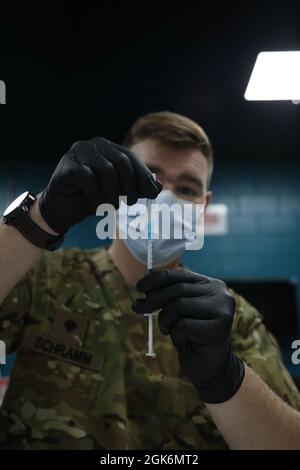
point(183, 171)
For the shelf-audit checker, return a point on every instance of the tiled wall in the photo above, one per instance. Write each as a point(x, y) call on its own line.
point(264, 225)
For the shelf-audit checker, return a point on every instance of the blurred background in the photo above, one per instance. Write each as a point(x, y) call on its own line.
point(73, 72)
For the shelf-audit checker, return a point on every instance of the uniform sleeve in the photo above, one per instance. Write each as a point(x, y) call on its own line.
point(22, 306)
point(13, 312)
point(258, 348)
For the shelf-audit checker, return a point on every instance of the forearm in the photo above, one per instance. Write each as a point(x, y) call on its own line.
point(17, 255)
point(255, 418)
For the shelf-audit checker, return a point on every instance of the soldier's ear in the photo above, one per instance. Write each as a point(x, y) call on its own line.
point(208, 198)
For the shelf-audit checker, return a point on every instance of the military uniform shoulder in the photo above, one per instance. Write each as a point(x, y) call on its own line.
point(57, 257)
point(61, 261)
point(246, 314)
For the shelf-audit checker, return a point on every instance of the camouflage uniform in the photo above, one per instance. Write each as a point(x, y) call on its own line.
point(81, 379)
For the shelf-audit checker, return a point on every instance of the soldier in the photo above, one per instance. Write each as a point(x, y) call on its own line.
point(81, 379)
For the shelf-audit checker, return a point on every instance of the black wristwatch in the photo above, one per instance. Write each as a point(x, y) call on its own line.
point(17, 214)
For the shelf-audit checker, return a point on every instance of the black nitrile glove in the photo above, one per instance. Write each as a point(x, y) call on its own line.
point(93, 172)
point(197, 312)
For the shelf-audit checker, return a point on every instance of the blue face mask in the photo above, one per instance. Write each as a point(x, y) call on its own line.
point(172, 233)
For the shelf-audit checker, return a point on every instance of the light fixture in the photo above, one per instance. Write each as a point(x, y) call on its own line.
point(275, 76)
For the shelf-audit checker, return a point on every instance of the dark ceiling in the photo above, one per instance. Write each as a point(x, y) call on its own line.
point(76, 71)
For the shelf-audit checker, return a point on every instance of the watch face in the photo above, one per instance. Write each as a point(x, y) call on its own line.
point(14, 205)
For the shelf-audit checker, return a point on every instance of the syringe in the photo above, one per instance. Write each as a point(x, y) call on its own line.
point(150, 256)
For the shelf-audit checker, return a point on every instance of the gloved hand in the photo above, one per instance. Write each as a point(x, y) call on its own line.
point(197, 311)
point(93, 172)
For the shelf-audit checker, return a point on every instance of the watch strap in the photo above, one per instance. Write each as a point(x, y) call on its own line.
point(36, 235)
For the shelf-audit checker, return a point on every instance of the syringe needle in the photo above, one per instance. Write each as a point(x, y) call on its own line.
point(150, 352)
point(150, 335)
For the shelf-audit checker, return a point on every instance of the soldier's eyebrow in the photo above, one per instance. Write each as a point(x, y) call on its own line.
point(155, 169)
point(185, 176)
point(192, 179)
